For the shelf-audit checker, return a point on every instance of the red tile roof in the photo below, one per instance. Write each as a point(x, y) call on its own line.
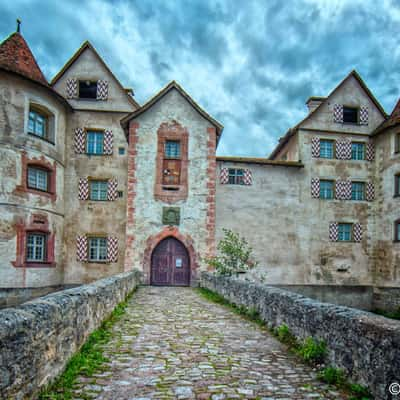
point(16, 56)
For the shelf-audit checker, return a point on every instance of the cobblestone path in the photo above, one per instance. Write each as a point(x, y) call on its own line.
point(174, 344)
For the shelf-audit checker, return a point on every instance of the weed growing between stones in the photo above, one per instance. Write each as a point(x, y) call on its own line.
point(310, 350)
point(89, 360)
point(336, 376)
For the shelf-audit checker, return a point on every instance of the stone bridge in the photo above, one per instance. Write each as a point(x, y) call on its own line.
point(172, 343)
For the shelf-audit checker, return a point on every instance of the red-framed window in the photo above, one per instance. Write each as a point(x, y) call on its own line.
point(35, 243)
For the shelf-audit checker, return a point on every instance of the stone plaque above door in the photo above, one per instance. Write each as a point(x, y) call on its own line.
point(171, 215)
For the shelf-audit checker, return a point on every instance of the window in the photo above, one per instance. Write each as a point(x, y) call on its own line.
point(87, 89)
point(37, 123)
point(36, 247)
point(172, 163)
point(97, 249)
point(350, 115)
point(345, 231)
point(397, 185)
point(98, 190)
point(236, 176)
point(121, 151)
point(326, 148)
point(397, 143)
point(358, 151)
point(120, 194)
point(95, 142)
point(38, 178)
point(357, 190)
point(172, 149)
point(326, 189)
point(397, 231)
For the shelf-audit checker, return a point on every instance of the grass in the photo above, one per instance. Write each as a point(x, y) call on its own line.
point(89, 359)
point(310, 350)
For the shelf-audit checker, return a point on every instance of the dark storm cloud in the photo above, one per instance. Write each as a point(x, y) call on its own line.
point(250, 64)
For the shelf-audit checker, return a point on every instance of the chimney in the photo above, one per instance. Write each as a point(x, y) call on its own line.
point(313, 102)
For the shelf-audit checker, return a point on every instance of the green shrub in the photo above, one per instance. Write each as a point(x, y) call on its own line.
point(311, 350)
point(235, 255)
point(332, 375)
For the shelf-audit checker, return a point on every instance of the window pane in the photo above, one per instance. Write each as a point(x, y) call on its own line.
point(95, 142)
point(98, 190)
point(350, 114)
point(35, 247)
point(357, 190)
point(37, 179)
point(357, 151)
point(345, 232)
point(172, 149)
point(98, 249)
point(398, 231)
point(235, 176)
point(88, 89)
point(37, 123)
point(326, 190)
point(326, 149)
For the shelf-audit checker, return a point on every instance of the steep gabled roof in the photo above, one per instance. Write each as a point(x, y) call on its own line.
point(161, 94)
point(16, 56)
point(87, 45)
point(292, 131)
point(394, 119)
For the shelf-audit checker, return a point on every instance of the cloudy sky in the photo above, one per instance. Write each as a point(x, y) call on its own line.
point(250, 64)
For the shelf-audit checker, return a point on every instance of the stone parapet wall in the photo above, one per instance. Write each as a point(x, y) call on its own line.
point(38, 338)
point(367, 346)
point(10, 297)
point(386, 299)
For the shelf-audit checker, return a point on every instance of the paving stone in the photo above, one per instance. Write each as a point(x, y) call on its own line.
point(173, 344)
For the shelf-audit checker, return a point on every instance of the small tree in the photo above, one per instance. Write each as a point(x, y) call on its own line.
point(235, 255)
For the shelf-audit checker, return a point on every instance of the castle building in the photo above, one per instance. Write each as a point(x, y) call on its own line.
point(93, 184)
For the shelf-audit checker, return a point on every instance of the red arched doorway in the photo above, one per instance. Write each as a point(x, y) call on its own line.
point(170, 264)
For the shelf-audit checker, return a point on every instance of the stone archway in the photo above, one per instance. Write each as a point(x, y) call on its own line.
point(154, 240)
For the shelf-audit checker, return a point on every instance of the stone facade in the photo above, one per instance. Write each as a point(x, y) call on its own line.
point(275, 203)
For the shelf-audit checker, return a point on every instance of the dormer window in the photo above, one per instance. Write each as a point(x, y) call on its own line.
point(87, 89)
point(350, 115)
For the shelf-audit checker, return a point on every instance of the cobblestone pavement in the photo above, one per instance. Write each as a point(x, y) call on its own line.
point(174, 344)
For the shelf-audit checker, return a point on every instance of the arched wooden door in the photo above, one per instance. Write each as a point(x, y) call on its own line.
point(170, 264)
